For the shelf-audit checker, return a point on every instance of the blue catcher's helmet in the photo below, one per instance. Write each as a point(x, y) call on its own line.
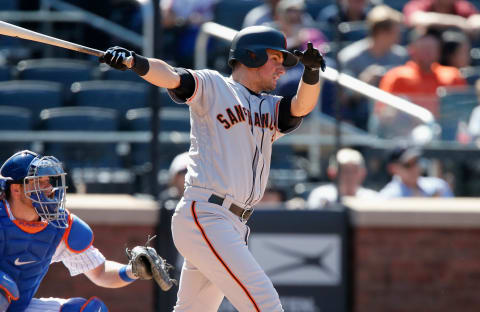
point(43, 179)
point(249, 47)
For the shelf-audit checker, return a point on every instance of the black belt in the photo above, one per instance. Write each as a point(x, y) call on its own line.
point(243, 214)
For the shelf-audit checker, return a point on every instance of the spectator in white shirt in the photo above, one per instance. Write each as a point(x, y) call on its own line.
point(352, 174)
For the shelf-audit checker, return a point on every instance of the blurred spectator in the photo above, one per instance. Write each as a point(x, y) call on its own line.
point(474, 122)
point(442, 14)
point(262, 14)
point(343, 11)
point(352, 175)
point(184, 18)
point(176, 184)
point(420, 77)
point(403, 164)
point(369, 59)
point(127, 13)
point(272, 198)
point(455, 49)
point(297, 25)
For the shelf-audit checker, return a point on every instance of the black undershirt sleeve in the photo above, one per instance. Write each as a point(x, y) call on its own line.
point(187, 85)
point(287, 122)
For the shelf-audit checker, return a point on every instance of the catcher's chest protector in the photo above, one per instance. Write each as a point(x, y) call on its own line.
point(25, 257)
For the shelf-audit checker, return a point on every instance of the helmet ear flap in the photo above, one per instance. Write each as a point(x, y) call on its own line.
point(255, 57)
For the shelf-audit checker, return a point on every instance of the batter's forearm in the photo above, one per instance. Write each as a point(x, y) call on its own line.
point(306, 99)
point(161, 74)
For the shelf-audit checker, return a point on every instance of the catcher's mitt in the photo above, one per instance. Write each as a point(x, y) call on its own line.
point(146, 263)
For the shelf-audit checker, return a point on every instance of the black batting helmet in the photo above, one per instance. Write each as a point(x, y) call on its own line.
point(249, 47)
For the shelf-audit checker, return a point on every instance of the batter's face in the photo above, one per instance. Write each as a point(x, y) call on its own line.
point(271, 71)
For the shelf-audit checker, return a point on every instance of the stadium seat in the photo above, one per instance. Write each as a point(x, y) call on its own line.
point(9, 5)
point(170, 120)
point(14, 118)
point(118, 95)
point(283, 157)
point(85, 120)
point(5, 73)
point(109, 73)
point(456, 105)
point(33, 95)
point(231, 13)
point(64, 71)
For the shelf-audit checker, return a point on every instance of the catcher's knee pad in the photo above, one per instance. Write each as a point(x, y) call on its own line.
point(94, 304)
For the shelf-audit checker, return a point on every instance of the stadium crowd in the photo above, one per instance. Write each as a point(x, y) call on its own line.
point(427, 51)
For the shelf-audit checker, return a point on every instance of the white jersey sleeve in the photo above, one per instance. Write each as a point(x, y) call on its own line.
point(205, 84)
point(78, 263)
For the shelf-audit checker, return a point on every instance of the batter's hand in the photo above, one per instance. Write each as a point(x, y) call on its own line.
point(311, 58)
point(115, 56)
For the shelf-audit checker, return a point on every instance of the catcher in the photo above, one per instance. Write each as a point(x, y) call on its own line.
point(36, 230)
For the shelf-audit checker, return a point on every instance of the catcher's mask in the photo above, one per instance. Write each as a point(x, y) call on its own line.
point(43, 180)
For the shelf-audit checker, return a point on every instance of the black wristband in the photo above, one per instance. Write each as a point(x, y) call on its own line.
point(310, 76)
point(141, 66)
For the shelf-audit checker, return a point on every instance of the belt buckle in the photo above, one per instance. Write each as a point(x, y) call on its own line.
point(246, 214)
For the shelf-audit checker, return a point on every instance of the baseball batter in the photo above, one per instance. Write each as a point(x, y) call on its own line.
point(233, 127)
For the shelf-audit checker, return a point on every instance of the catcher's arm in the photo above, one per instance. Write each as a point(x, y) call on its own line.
point(111, 274)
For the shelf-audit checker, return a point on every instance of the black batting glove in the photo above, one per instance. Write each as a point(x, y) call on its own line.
point(313, 61)
point(117, 55)
point(311, 58)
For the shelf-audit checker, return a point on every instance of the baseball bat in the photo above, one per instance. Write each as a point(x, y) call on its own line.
point(11, 30)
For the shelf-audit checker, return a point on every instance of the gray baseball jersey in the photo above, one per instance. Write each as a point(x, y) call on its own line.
point(232, 132)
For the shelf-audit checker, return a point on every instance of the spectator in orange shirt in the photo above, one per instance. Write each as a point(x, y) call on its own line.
point(420, 77)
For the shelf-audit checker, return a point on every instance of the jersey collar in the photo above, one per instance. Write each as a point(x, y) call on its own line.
point(31, 227)
point(245, 88)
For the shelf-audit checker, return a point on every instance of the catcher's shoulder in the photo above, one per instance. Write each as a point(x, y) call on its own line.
point(79, 235)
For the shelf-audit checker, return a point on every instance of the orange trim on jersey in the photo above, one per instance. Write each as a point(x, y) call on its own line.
point(87, 302)
point(67, 232)
point(220, 258)
point(277, 107)
point(9, 294)
point(31, 227)
point(196, 87)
